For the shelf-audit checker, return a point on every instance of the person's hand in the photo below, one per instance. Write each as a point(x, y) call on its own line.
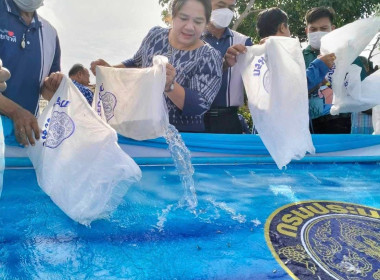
point(4, 76)
point(25, 126)
point(232, 53)
point(51, 85)
point(328, 59)
point(170, 76)
point(99, 62)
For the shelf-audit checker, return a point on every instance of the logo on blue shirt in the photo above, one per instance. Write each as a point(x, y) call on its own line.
point(8, 35)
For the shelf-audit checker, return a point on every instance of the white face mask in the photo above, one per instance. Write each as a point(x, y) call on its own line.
point(221, 18)
point(314, 39)
point(29, 5)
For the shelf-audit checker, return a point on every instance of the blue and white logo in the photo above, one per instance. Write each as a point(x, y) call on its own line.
point(109, 103)
point(61, 127)
point(8, 35)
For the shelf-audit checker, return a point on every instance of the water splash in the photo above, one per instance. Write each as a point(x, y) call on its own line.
point(284, 190)
point(256, 222)
point(182, 161)
point(163, 218)
point(229, 210)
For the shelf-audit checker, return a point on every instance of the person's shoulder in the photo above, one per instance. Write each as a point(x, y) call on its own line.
point(307, 50)
point(46, 24)
point(208, 50)
point(158, 30)
point(238, 34)
point(5, 8)
point(240, 38)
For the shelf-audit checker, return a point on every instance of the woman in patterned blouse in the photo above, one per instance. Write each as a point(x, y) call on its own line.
point(194, 71)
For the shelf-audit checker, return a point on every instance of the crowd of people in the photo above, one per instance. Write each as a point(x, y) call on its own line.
point(203, 89)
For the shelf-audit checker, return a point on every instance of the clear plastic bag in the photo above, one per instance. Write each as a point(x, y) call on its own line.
point(78, 162)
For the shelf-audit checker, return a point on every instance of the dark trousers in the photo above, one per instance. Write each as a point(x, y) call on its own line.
point(223, 120)
point(340, 124)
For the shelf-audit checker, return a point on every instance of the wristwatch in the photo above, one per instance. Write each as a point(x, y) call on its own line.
point(171, 88)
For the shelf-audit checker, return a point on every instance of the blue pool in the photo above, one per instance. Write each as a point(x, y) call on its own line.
point(149, 237)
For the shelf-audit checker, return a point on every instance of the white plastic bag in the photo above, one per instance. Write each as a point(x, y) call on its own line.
point(132, 100)
point(347, 43)
point(78, 161)
point(274, 77)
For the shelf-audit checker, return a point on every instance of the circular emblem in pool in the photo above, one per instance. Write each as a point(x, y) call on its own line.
point(326, 240)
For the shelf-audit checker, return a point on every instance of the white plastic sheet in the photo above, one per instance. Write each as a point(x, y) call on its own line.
point(274, 77)
point(132, 100)
point(347, 42)
point(78, 161)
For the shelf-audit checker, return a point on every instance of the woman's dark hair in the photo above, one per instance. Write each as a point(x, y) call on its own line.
point(178, 4)
point(320, 12)
point(269, 20)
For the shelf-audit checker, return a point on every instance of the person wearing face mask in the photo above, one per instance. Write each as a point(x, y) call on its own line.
point(223, 115)
point(319, 22)
point(33, 63)
point(194, 71)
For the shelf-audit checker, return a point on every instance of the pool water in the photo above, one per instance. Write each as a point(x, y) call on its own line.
point(151, 237)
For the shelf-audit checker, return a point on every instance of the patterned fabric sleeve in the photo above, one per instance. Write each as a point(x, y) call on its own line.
point(136, 61)
point(87, 93)
point(205, 84)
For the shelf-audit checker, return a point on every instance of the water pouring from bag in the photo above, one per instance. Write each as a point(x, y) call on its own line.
point(182, 161)
point(133, 103)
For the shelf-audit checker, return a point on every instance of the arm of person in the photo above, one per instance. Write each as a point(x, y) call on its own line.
point(25, 123)
point(317, 71)
point(102, 62)
point(173, 90)
point(230, 58)
point(26, 126)
point(177, 95)
point(205, 84)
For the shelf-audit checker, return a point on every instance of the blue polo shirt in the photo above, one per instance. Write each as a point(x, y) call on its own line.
point(23, 63)
point(222, 44)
